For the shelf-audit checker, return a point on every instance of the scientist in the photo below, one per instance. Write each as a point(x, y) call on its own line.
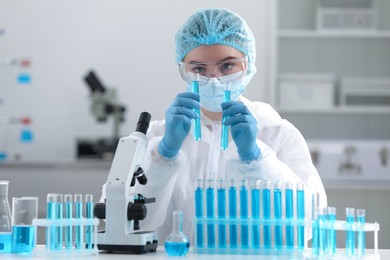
point(218, 45)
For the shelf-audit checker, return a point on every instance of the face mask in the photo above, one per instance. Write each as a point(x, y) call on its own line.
point(212, 93)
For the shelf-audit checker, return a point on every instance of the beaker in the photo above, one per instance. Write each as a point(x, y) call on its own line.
point(177, 243)
point(5, 219)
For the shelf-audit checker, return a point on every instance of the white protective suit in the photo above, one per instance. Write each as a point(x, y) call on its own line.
point(284, 156)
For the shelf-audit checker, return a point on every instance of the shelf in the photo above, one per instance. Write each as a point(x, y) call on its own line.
point(338, 110)
point(333, 34)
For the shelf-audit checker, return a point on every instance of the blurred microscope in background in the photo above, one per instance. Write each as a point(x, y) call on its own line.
point(104, 104)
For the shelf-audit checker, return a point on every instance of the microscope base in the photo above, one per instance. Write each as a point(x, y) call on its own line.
point(137, 243)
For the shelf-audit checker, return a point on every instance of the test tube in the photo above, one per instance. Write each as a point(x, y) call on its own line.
point(255, 196)
point(233, 213)
point(301, 214)
point(289, 214)
point(51, 215)
point(350, 236)
point(59, 216)
point(266, 185)
point(195, 89)
point(322, 231)
point(225, 129)
point(314, 225)
point(199, 211)
point(221, 196)
point(68, 217)
point(210, 213)
point(78, 199)
point(278, 214)
point(361, 216)
point(244, 214)
point(331, 230)
point(89, 215)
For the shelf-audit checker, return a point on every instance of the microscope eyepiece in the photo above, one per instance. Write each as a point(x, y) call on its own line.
point(143, 122)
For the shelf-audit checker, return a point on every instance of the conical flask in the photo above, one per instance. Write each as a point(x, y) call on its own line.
point(177, 243)
point(5, 219)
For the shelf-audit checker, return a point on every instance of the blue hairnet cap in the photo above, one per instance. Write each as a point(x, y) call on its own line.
point(217, 26)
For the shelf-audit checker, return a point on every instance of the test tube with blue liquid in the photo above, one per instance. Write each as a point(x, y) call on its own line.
point(199, 212)
point(197, 126)
point(255, 203)
point(244, 213)
point(361, 217)
point(350, 233)
point(331, 231)
point(210, 213)
point(89, 215)
point(314, 225)
point(59, 216)
point(322, 239)
point(278, 214)
point(225, 129)
point(68, 217)
point(78, 199)
point(51, 231)
point(301, 214)
point(233, 213)
point(221, 197)
point(289, 193)
point(266, 186)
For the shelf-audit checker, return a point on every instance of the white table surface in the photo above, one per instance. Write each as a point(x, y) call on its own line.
point(161, 254)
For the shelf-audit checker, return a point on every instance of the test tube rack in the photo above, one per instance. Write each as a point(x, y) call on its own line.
point(250, 229)
point(66, 223)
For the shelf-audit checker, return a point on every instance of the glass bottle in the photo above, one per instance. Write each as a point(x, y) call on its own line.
point(177, 243)
point(5, 219)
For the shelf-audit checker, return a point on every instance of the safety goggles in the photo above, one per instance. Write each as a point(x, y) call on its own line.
point(226, 71)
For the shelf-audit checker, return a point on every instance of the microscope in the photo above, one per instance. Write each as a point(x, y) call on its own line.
point(104, 104)
point(123, 210)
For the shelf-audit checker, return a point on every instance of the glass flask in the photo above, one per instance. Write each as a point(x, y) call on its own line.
point(177, 243)
point(5, 219)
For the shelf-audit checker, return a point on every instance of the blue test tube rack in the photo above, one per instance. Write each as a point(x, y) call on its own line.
point(243, 220)
point(85, 245)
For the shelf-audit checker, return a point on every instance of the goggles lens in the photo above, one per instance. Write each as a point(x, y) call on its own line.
point(225, 71)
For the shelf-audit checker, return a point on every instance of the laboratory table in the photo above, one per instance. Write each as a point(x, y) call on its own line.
point(161, 254)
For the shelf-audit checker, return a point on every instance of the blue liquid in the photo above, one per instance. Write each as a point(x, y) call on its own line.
point(314, 240)
point(51, 232)
point(332, 234)
point(301, 216)
point(289, 216)
point(5, 242)
point(322, 235)
point(177, 248)
point(68, 229)
point(255, 193)
point(210, 214)
point(199, 214)
point(221, 195)
point(225, 129)
point(89, 228)
point(350, 243)
point(59, 212)
point(361, 236)
point(244, 216)
point(23, 239)
point(278, 215)
point(267, 215)
point(79, 228)
point(233, 215)
point(197, 131)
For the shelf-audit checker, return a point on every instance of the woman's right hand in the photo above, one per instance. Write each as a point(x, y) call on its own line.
point(178, 123)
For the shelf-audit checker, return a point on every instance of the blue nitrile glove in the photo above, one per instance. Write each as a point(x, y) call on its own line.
point(178, 123)
point(243, 127)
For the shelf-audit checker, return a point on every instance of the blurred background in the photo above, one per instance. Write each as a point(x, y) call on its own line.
point(75, 75)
